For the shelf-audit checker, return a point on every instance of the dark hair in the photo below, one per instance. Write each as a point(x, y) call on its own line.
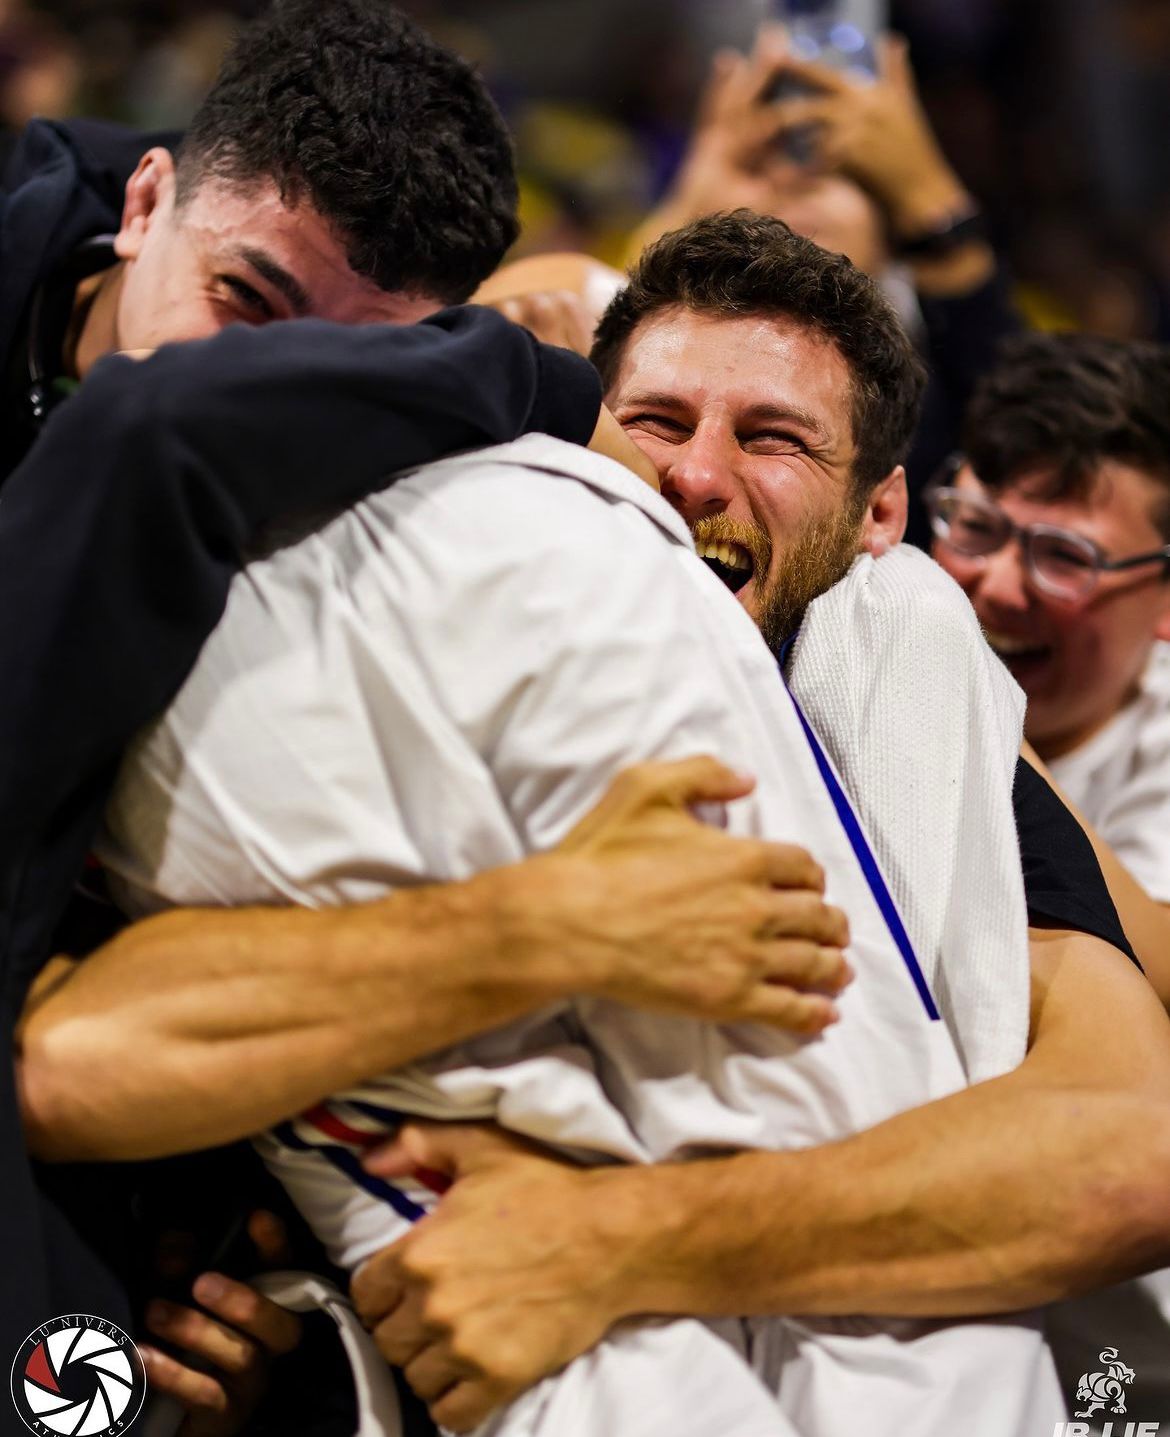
point(1062, 403)
point(393, 139)
point(747, 264)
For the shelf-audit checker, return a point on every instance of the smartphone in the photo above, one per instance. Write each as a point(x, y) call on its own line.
point(838, 33)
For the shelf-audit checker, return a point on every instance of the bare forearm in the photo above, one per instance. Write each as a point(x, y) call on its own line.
point(1008, 1194)
point(207, 1025)
point(912, 1220)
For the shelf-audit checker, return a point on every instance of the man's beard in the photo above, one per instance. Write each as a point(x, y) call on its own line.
point(813, 561)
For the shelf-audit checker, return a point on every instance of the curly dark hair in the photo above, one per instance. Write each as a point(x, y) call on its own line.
point(392, 138)
point(1059, 404)
point(742, 263)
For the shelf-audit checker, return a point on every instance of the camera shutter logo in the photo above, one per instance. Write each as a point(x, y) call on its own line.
point(77, 1375)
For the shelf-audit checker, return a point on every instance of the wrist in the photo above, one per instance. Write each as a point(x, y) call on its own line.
point(680, 1241)
point(540, 936)
point(642, 1218)
point(932, 201)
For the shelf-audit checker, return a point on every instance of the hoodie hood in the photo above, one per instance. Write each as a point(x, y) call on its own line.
point(63, 183)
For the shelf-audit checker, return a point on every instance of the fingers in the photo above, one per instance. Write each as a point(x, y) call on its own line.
point(770, 56)
point(790, 1011)
point(434, 1372)
point(554, 316)
point(196, 1391)
point(449, 1150)
point(201, 1336)
point(275, 1328)
point(802, 111)
point(377, 1288)
point(681, 783)
point(725, 68)
point(466, 1405)
point(813, 73)
point(894, 60)
point(786, 865)
point(802, 913)
point(808, 967)
point(404, 1333)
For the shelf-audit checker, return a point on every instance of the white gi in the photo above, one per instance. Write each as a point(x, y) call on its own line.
point(445, 678)
point(1120, 780)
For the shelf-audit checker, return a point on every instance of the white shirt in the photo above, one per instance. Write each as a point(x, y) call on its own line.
point(445, 678)
point(1120, 779)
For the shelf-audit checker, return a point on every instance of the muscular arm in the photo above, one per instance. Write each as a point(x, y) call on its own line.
point(212, 1024)
point(1014, 1192)
point(1011, 1193)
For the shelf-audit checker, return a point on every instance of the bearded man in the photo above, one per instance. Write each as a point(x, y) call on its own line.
point(775, 430)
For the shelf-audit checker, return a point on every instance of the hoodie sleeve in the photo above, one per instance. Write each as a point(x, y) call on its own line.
point(122, 529)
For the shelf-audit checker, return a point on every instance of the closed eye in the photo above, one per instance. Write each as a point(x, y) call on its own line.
point(249, 299)
point(773, 441)
point(658, 424)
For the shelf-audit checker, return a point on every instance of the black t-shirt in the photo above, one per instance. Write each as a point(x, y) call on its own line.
point(1063, 882)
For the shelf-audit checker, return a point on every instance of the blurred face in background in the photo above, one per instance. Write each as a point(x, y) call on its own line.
point(1079, 661)
point(748, 423)
point(835, 212)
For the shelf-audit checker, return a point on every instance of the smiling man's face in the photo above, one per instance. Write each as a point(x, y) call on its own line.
point(1078, 662)
point(748, 422)
point(234, 252)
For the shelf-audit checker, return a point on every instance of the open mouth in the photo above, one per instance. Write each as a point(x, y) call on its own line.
point(731, 563)
point(1017, 652)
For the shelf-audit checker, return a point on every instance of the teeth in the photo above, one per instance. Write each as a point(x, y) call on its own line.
point(1005, 644)
point(733, 555)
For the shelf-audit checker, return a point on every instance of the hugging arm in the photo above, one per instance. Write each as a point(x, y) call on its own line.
point(122, 528)
point(1011, 1193)
point(215, 1023)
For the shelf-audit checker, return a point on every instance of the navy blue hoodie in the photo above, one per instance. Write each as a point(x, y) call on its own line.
point(120, 531)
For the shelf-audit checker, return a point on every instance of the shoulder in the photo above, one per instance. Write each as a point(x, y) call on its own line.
point(902, 602)
point(538, 506)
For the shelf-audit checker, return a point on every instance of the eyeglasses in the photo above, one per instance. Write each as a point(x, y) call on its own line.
point(1058, 561)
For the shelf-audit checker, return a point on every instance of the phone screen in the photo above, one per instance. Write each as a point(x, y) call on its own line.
point(839, 33)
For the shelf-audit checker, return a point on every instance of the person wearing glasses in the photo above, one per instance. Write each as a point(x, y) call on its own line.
point(1056, 523)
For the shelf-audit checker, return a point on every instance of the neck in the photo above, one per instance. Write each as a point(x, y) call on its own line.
point(93, 331)
point(1059, 745)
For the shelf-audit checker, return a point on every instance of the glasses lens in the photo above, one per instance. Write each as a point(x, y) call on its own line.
point(1062, 563)
point(969, 524)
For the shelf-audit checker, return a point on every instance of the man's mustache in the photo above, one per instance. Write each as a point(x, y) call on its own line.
point(720, 529)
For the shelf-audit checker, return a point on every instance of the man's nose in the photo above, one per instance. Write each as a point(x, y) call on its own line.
point(699, 481)
point(1003, 580)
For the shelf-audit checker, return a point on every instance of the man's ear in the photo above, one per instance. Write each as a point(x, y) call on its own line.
point(885, 515)
point(149, 191)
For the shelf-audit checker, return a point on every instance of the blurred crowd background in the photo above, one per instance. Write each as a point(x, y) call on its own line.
point(1054, 112)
